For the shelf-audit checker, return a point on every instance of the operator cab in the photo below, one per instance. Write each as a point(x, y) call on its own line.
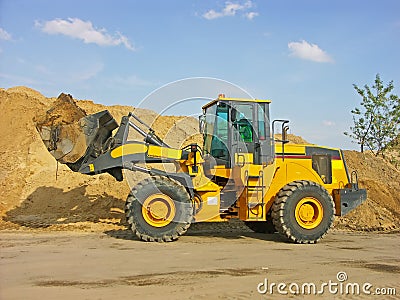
point(233, 127)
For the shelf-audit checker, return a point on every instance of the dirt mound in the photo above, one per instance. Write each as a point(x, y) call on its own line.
point(293, 139)
point(18, 143)
point(33, 197)
point(381, 211)
point(393, 152)
point(63, 112)
point(28, 172)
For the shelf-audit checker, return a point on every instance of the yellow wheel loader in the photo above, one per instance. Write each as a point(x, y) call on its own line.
point(241, 171)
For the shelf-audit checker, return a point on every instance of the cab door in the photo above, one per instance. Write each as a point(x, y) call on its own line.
point(263, 150)
point(242, 131)
point(220, 140)
point(251, 131)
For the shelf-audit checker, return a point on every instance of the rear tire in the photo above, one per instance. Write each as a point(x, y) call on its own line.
point(159, 209)
point(303, 211)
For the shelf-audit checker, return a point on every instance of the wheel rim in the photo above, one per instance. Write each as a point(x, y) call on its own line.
point(309, 213)
point(158, 210)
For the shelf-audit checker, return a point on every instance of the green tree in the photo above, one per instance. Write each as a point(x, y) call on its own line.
point(376, 123)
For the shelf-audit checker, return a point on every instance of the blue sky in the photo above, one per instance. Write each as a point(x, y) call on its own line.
point(302, 55)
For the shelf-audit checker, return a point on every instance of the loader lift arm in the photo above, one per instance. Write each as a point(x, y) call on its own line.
point(118, 153)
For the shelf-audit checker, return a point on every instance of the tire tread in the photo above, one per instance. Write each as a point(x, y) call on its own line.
point(279, 206)
point(130, 213)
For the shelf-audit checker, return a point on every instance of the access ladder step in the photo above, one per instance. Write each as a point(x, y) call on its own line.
point(255, 187)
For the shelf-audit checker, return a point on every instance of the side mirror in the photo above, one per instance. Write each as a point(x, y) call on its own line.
point(202, 123)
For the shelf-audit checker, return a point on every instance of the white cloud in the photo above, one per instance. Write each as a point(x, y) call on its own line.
point(84, 30)
point(231, 9)
point(212, 14)
point(328, 123)
point(4, 35)
point(251, 15)
point(307, 51)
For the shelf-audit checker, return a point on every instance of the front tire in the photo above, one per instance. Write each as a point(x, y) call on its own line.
point(159, 209)
point(303, 211)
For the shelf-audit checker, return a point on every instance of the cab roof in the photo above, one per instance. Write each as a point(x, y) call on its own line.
point(223, 98)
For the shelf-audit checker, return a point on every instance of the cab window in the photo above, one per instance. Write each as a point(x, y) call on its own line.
point(219, 142)
point(243, 122)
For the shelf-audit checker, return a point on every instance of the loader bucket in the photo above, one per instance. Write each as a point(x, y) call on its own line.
point(68, 143)
point(98, 129)
point(69, 134)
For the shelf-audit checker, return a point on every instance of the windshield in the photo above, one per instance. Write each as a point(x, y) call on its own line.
point(216, 131)
point(209, 128)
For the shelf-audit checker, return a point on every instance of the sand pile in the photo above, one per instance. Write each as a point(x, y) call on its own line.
point(64, 111)
point(32, 197)
point(293, 139)
point(381, 211)
point(30, 194)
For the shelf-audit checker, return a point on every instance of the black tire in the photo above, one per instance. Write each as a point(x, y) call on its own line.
point(261, 226)
point(179, 221)
point(286, 209)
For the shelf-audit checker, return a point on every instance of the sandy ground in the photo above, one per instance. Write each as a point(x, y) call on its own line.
point(201, 265)
point(98, 259)
point(32, 196)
